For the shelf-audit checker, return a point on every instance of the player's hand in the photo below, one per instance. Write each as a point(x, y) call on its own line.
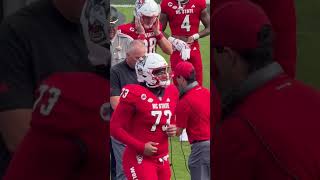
point(171, 130)
point(185, 53)
point(190, 40)
point(139, 27)
point(156, 27)
point(150, 148)
point(178, 44)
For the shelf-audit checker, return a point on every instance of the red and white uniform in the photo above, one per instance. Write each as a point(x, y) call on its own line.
point(139, 118)
point(68, 138)
point(150, 41)
point(185, 22)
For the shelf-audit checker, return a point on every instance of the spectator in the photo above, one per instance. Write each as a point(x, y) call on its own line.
point(263, 107)
point(119, 42)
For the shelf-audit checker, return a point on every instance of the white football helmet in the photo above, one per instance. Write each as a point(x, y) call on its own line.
point(147, 12)
point(153, 70)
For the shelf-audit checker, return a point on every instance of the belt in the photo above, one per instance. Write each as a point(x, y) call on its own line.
point(197, 141)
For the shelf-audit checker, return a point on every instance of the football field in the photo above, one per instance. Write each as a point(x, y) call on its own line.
point(308, 65)
point(180, 150)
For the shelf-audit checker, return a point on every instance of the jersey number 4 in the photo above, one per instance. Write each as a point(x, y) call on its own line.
point(158, 115)
point(46, 107)
point(186, 23)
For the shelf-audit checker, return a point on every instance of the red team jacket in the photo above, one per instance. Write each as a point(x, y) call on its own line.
point(193, 113)
point(141, 117)
point(69, 131)
point(272, 135)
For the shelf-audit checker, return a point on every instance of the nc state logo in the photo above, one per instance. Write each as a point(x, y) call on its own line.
point(170, 4)
point(131, 29)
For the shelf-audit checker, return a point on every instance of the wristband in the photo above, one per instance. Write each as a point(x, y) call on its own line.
point(171, 39)
point(141, 36)
point(196, 36)
point(159, 36)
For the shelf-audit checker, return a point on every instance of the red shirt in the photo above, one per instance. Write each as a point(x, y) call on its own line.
point(282, 15)
point(273, 134)
point(183, 22)
point(193, 113)
point(141, 117)
point(150, 41)
point(68, 138)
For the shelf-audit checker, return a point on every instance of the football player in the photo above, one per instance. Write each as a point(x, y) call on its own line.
point(144, 119)
point(146, 27)
point(67, 138)
point(184, 18)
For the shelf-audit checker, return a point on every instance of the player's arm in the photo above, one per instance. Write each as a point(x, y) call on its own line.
point(164, 22)
point(115, 89)
point(162, 41)
point(205, 19)
point(119, 121)
point(16, 88)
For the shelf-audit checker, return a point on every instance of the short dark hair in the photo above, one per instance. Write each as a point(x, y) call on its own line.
point(262, 55)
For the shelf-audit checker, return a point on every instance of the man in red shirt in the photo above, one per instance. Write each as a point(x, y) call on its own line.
point(193, 114)
point(270, 121)
point(184, 18)
point(143, 120)
point(282, 15)
point(146, 27)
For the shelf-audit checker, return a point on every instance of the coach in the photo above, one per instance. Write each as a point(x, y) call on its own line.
point(193, 114)
point(270, 126)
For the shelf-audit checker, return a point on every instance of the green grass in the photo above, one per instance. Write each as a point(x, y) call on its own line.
point(178, 158)
point(308, 37)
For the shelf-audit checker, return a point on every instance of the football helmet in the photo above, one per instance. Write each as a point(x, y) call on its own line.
point(147, 12)
point(153, 70)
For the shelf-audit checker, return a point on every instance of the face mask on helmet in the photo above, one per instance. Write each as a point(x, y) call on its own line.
point(148, 13)
point(153, 71)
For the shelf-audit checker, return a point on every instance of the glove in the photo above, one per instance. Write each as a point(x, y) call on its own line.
point(185, 53)
point(177, 43)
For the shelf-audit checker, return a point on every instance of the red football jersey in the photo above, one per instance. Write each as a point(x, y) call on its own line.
point(141, 117)
point(184, 22)
point(150, 41)
point(193, 113)
point(68, 138)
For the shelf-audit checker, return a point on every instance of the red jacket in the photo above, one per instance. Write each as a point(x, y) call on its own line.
point(272, 134)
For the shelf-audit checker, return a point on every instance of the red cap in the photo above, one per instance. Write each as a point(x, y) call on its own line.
point(236, 25)
point(183, 69)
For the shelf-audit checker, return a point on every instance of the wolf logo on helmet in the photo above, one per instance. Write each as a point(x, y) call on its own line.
point(153, 71)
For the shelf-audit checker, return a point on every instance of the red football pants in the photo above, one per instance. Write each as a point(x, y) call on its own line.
point(195, 60)
point(141, 168)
